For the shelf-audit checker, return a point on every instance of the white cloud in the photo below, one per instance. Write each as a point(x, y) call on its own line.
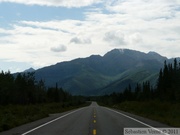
point(57, 3)
point(135, 38)
point(77, 40)
point(136, 24)
point(115, 37)
point(31, 45)
point(59, 48)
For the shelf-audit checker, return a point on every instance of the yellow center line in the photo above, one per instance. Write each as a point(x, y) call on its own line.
point(94, 131)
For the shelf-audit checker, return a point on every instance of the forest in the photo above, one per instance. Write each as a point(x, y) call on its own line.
point(24, 89)
point(23, 100)
point(161, 103)
point(167, 88)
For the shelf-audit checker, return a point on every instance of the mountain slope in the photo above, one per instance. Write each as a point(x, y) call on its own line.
point(129, 77)
point(96, 74)
point(29, 70)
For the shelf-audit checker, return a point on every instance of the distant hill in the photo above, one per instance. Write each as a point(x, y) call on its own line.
point(29, 70)
point(97, 75)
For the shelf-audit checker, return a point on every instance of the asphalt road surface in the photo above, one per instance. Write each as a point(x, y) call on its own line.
point(91, 120)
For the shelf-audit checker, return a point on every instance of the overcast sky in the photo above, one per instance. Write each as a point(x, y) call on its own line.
point(38, 33)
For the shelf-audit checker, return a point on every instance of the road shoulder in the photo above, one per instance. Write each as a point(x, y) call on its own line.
point(26, 127)
point(150, 122)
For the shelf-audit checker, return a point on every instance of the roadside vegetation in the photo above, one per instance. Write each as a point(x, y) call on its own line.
point(161, 103)
point(15, 115)
point(164, 112)
point(23, 100)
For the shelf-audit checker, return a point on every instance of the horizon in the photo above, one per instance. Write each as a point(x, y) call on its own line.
point(87, 57)
point(41, 33)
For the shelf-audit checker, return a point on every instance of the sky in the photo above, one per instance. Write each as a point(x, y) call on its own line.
point(39, 33)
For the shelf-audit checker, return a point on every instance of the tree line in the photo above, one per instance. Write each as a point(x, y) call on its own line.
point(166, 89)
point(24, 89)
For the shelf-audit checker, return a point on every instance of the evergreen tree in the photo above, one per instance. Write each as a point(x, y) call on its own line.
point(168, 85)
point(137, 92)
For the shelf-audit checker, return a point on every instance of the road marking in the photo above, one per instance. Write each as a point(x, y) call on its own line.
point(94, 131)
point(94, 121)
point(135, 120)
point(50, 122)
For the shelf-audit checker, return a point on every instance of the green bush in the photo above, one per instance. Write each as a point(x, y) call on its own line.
point(15, 115)
point(164, 112)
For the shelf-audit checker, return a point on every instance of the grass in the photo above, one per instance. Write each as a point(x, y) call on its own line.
point(164, 112)
point(15, 115)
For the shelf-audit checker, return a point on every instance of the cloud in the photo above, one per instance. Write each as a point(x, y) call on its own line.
point(135, 38)
point(136, 24)
point(77, 40)
point(56, 3)
point(144, 9)
point(26, 43)
point(116, 38)
point(59, 48)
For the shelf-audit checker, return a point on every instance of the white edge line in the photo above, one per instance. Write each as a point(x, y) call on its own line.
point(50, 122)
point(135, 120)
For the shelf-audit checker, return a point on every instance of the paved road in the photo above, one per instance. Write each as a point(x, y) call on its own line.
point(91, 120)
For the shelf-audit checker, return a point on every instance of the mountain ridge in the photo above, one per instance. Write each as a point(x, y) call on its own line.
point(92, 75)
point(29, 70)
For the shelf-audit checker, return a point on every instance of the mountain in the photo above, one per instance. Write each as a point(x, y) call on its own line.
point(29, 70)
point(97, 75)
